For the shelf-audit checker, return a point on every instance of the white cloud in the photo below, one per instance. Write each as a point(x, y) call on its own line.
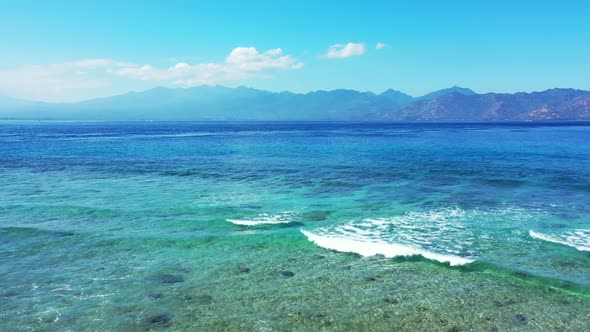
point(56, 82)
point(82, 79)
point(340, 51)
point(241, 64)
point(381, 46)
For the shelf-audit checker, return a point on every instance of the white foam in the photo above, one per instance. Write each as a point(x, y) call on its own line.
point(372, 248)
point(449, 234)
point(579, 239)
point(264, 219)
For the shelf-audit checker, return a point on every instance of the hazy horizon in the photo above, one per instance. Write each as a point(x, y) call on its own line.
point(287, 91)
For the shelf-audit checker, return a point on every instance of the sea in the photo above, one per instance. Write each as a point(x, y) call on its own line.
point(301, 226)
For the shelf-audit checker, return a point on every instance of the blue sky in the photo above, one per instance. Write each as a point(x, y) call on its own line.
point(71, 50)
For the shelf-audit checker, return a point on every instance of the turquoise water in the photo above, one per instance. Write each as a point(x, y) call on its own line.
point(294, 226)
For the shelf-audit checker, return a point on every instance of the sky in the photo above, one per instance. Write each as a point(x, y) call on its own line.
point(75, 50)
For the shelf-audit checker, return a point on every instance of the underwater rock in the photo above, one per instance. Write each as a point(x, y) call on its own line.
point(158, 320)
point(521, 318)
point(287, 274)
point(170, 279)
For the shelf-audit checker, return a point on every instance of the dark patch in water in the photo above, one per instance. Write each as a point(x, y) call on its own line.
point(287, 274)
point(64, 233)
point(520, 318)
point(250, 206)
point(160, 320)
point(170, 279)
point(289, 224)
point(558, 225)
point(244, 270)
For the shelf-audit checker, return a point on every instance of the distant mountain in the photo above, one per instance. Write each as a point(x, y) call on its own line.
point(221, 103)
point(440, 93)
point(397, 97)
point(554, 104)
point(9, 102)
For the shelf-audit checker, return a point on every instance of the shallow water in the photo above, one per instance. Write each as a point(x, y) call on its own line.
point(299, 226)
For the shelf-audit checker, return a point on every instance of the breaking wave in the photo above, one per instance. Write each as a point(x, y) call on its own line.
point(579, 238)
point(371, 248)
point(448, 235)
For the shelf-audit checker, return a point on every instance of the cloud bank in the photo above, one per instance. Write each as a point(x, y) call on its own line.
point(82, 79)
point(241, 64)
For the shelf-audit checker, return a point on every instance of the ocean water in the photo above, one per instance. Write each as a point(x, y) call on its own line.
point(294, 226)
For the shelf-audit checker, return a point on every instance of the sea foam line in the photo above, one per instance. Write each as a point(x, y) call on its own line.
point(263, 219)
point(372, 248)
point(579, 239)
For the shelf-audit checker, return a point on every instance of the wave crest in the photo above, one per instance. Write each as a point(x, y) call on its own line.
point(372, 248)
point(579, 238)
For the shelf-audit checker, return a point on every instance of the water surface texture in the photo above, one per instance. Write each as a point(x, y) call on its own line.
point(294, 226)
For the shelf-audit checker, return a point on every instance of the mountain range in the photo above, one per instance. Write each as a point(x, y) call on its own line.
point(218, 103)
